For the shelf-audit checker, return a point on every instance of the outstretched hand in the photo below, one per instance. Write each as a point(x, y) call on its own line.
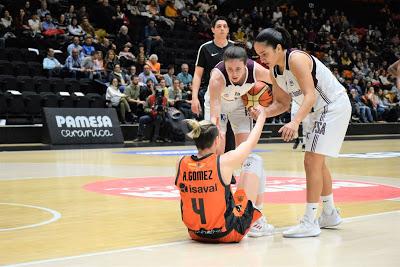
point(289, 131)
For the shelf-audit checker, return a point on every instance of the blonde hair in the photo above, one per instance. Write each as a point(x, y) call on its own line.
point(203, 133)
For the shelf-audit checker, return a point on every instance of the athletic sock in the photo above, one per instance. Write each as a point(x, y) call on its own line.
point(311, 211)
point(327, 204)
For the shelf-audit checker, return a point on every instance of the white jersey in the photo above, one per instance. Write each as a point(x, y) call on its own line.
point(231, 91)
point(232, 107)
point(327, 86)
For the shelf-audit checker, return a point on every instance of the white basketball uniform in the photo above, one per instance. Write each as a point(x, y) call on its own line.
point(305, 123)
point(331, 112)
point(232, 106)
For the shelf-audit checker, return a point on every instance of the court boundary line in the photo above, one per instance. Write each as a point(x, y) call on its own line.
point(149, 247)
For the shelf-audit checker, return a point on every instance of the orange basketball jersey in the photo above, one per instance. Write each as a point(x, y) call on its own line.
point(206, 202)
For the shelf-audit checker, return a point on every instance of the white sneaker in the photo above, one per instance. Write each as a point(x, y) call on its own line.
point(329, 220)
point(306, 228)
point(261, 228)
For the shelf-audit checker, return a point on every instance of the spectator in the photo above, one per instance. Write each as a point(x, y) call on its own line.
point(152, 38)
point(147, 74)
point(43, 11)
point(131, 73)
point(62, 23)
point(75, 44)
point(110, 61)
point(184, 76)
point(169, 76)
point(126, 57)
point(155, 108)
point(73, 63)
point(153, 8)
point(120, 76)
point(70, 14)
point(87, 47)
point(155, 67)
point(6, 22)
point(362, 111)
point(132, 91)
point(21, 22)
point(147, 89)
point(35, 25)
point(118, 99)
point(75, 29)
point(88, 65)
point(123, 39)
point(170, 10)
point(51, 64)
point(99, 65)
point(28, 9)
point(87, 27)
point(174, 93)
point(277, 15)
point(48, 25)
point(164, 87)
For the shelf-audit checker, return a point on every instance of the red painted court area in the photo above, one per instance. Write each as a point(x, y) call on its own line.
point(278, 189)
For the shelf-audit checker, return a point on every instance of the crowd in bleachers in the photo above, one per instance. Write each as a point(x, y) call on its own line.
point(78, 48)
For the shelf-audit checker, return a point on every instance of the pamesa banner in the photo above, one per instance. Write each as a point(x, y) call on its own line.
point(71, 126)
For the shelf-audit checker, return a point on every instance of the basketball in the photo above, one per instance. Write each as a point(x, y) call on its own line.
point(259, 94)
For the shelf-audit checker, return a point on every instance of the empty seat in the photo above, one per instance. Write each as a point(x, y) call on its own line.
point(96, 100)
point(8, 82)
point(15, 105)
point(57, 84)
point(35, 68)
point(6, 67)
point(3, 105)
point(72, 85)
point(33, 103)
point(42, 84)
point(64, 100)
point(26, 83)
point(14, 54)
point(81, 101)
point(20, 68)
point(49, 100)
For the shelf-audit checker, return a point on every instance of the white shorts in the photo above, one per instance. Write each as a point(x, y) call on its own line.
point(235, 112)
point(328, 127)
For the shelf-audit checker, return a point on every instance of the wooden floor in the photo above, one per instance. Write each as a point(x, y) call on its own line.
point(117, 207)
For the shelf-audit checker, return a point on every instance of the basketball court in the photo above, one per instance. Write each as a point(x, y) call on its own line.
point(118, 207)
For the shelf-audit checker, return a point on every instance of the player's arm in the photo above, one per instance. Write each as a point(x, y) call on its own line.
point(394, 69)
point(281, 100)
point(215, 88)
point(234, 159)
point(301, 66)
point(262, 74)
point(198, 73)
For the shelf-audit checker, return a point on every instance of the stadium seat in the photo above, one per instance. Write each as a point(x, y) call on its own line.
point(96, 100)
point(20, 68)
point(15, 105)
point(42, 84)
point(35, 68)
point(57, 84)
point(49, 99)
point(6, 67)
point(26, 83)
point(8, 82)
point(33, 103)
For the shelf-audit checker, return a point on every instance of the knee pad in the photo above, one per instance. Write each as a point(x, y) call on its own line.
point(254, 164)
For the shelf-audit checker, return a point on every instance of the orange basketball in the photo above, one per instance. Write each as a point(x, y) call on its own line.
point(259, 94)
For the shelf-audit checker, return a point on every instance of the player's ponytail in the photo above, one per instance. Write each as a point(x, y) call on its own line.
point(196, 129)
point(203, 133)
point(275, 36)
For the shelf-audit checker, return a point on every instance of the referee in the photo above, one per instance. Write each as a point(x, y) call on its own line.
point(209, 55)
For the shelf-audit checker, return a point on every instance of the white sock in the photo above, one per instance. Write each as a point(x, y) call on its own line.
point(311, 211)
point(327, 204)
